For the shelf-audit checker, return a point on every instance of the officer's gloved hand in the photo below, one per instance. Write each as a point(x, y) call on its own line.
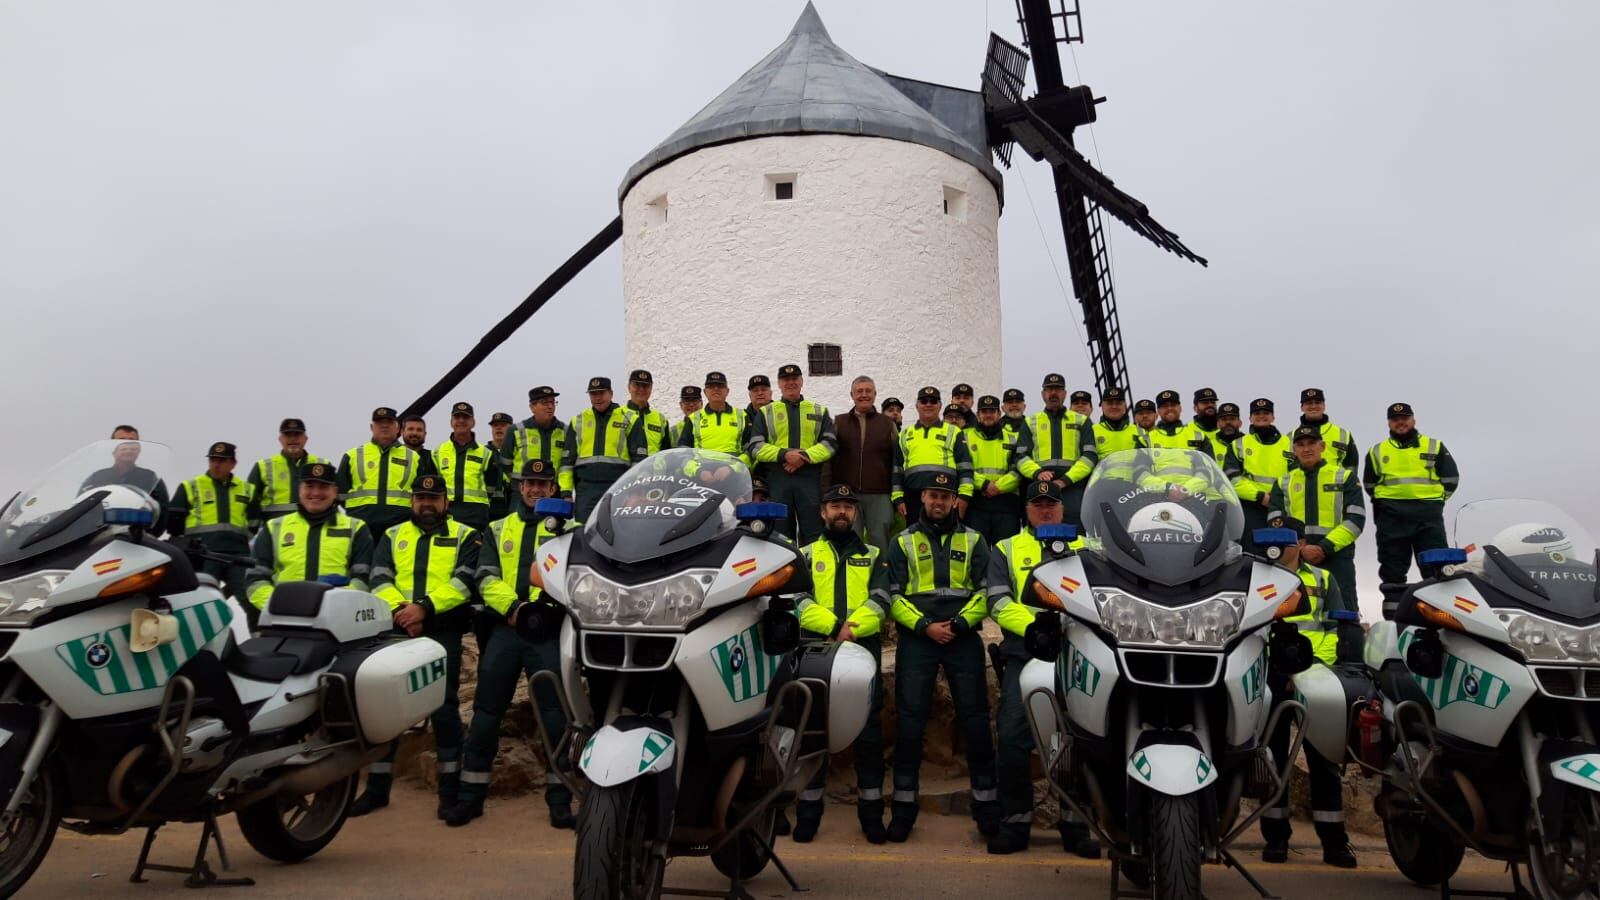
point(959, 626)
point(540, 621)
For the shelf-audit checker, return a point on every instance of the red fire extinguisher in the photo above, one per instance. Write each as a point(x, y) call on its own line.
point(1369, 725)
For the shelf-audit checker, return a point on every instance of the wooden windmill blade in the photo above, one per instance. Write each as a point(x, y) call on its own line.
point(1043, 125)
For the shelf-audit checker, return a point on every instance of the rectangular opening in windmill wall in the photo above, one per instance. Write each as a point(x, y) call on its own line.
point(655, 211)
point(955, 203)
point(824, 359)
point(780, 186)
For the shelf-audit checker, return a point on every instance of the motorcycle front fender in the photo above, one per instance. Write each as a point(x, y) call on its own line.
point(1582, 770)
point(616, 756)
point(1175, 770)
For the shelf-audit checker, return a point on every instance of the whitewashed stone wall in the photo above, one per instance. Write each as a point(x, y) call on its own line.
point(864, 256)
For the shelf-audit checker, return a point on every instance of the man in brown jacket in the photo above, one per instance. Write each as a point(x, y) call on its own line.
point(865, 459)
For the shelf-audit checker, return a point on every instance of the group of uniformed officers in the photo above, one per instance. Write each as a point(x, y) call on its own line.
point(928, 521)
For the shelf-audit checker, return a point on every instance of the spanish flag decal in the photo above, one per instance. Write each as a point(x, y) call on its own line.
point(1268, 592)
point(744, 567)
point(1069, 584)
point(549, 563)
point(108, 566)
point(1466, 605)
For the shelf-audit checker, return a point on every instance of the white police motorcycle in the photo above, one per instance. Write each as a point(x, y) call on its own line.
point(1148, 694)
point(131, 694)
point(702, 715)
point(1490, 674)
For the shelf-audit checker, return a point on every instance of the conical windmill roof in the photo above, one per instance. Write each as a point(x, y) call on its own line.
point(808, 85)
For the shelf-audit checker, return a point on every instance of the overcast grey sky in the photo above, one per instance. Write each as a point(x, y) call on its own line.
point(215, 215)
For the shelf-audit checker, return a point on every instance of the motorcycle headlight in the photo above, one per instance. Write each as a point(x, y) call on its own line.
point(1133, 621)
point(21, 597)
point(1540, 640)
point(671, 603)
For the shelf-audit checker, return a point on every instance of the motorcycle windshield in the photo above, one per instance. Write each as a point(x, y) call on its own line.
point(67, 503)
point(1167, 516)
point(673, 501)
point(1532, 551)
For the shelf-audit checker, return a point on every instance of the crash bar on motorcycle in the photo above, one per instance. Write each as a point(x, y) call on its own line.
point(173, 749)
point(1053, 760)
point(555, 749)
point(1415, 770)
point(786, 765)
point(1282, 777)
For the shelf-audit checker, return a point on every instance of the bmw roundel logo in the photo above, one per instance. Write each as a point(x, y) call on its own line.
point(736, 659)
point(98, 654)
point(1470, 685)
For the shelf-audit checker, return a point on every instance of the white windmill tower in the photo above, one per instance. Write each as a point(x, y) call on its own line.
point(823, 213)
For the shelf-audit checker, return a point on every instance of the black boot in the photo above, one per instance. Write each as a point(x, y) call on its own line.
point(1009, 839)
point(561, 817)
point(901, 823)
point(807, 819)
point(780, 826)
point(1340, 856)
point(369, 801)
point(870, 813)
point(1076, 838)
point(465, 810)
point(1276, 850)
point(987, 815)
point(449, 791)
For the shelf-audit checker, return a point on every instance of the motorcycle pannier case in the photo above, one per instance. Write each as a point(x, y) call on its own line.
point(841, 677)
point(395, 683)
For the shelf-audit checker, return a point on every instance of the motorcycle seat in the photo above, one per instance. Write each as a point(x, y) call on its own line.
point(277, 654)
point(298, 599)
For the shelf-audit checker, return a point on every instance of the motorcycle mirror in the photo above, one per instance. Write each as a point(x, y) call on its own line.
point(1442, 556)
point(1042, 638)
point(1290, 650)
point(780, 631)
point(553, 507)
point(150, 630)
point(1425, 656)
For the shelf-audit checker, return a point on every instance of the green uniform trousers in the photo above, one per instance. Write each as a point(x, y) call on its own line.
point(1405, 528)
point(802, 492)
point(917, 663)
point(506, 659)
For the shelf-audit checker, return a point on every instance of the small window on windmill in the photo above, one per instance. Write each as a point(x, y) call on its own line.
point(781, 186)
point(824, 359)
point(655, 211)
point(955, 203)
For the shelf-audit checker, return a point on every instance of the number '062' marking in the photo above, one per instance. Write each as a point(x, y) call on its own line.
point(366, 615)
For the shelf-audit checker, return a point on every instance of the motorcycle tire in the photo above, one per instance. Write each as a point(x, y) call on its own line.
point(1422, 853)
point(743, 857)
point(32, 831)
point(291, 829)
point(1175, 847)
point(612, 861)
point(1551, 882)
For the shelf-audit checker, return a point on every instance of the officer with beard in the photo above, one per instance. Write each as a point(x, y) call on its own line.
point(1144, 416)
point(1205, 420)
point(1229, 426)
point(423, 568)
point(848, 601)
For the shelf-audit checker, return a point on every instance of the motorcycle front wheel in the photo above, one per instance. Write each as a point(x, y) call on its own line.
point(26, 839)
point(290, 829)
point(614, 860)
point(1175, 847)
point(1565, 870)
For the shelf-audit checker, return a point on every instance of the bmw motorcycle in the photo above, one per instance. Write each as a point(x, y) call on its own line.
point(1148, 694)
point(132, 695)
point(695, 713)
point(1489, 675)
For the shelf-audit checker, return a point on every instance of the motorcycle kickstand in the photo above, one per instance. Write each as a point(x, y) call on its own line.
point(200, 874)
point(1233, 863)
point(772, 854)
point(1116, 881)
